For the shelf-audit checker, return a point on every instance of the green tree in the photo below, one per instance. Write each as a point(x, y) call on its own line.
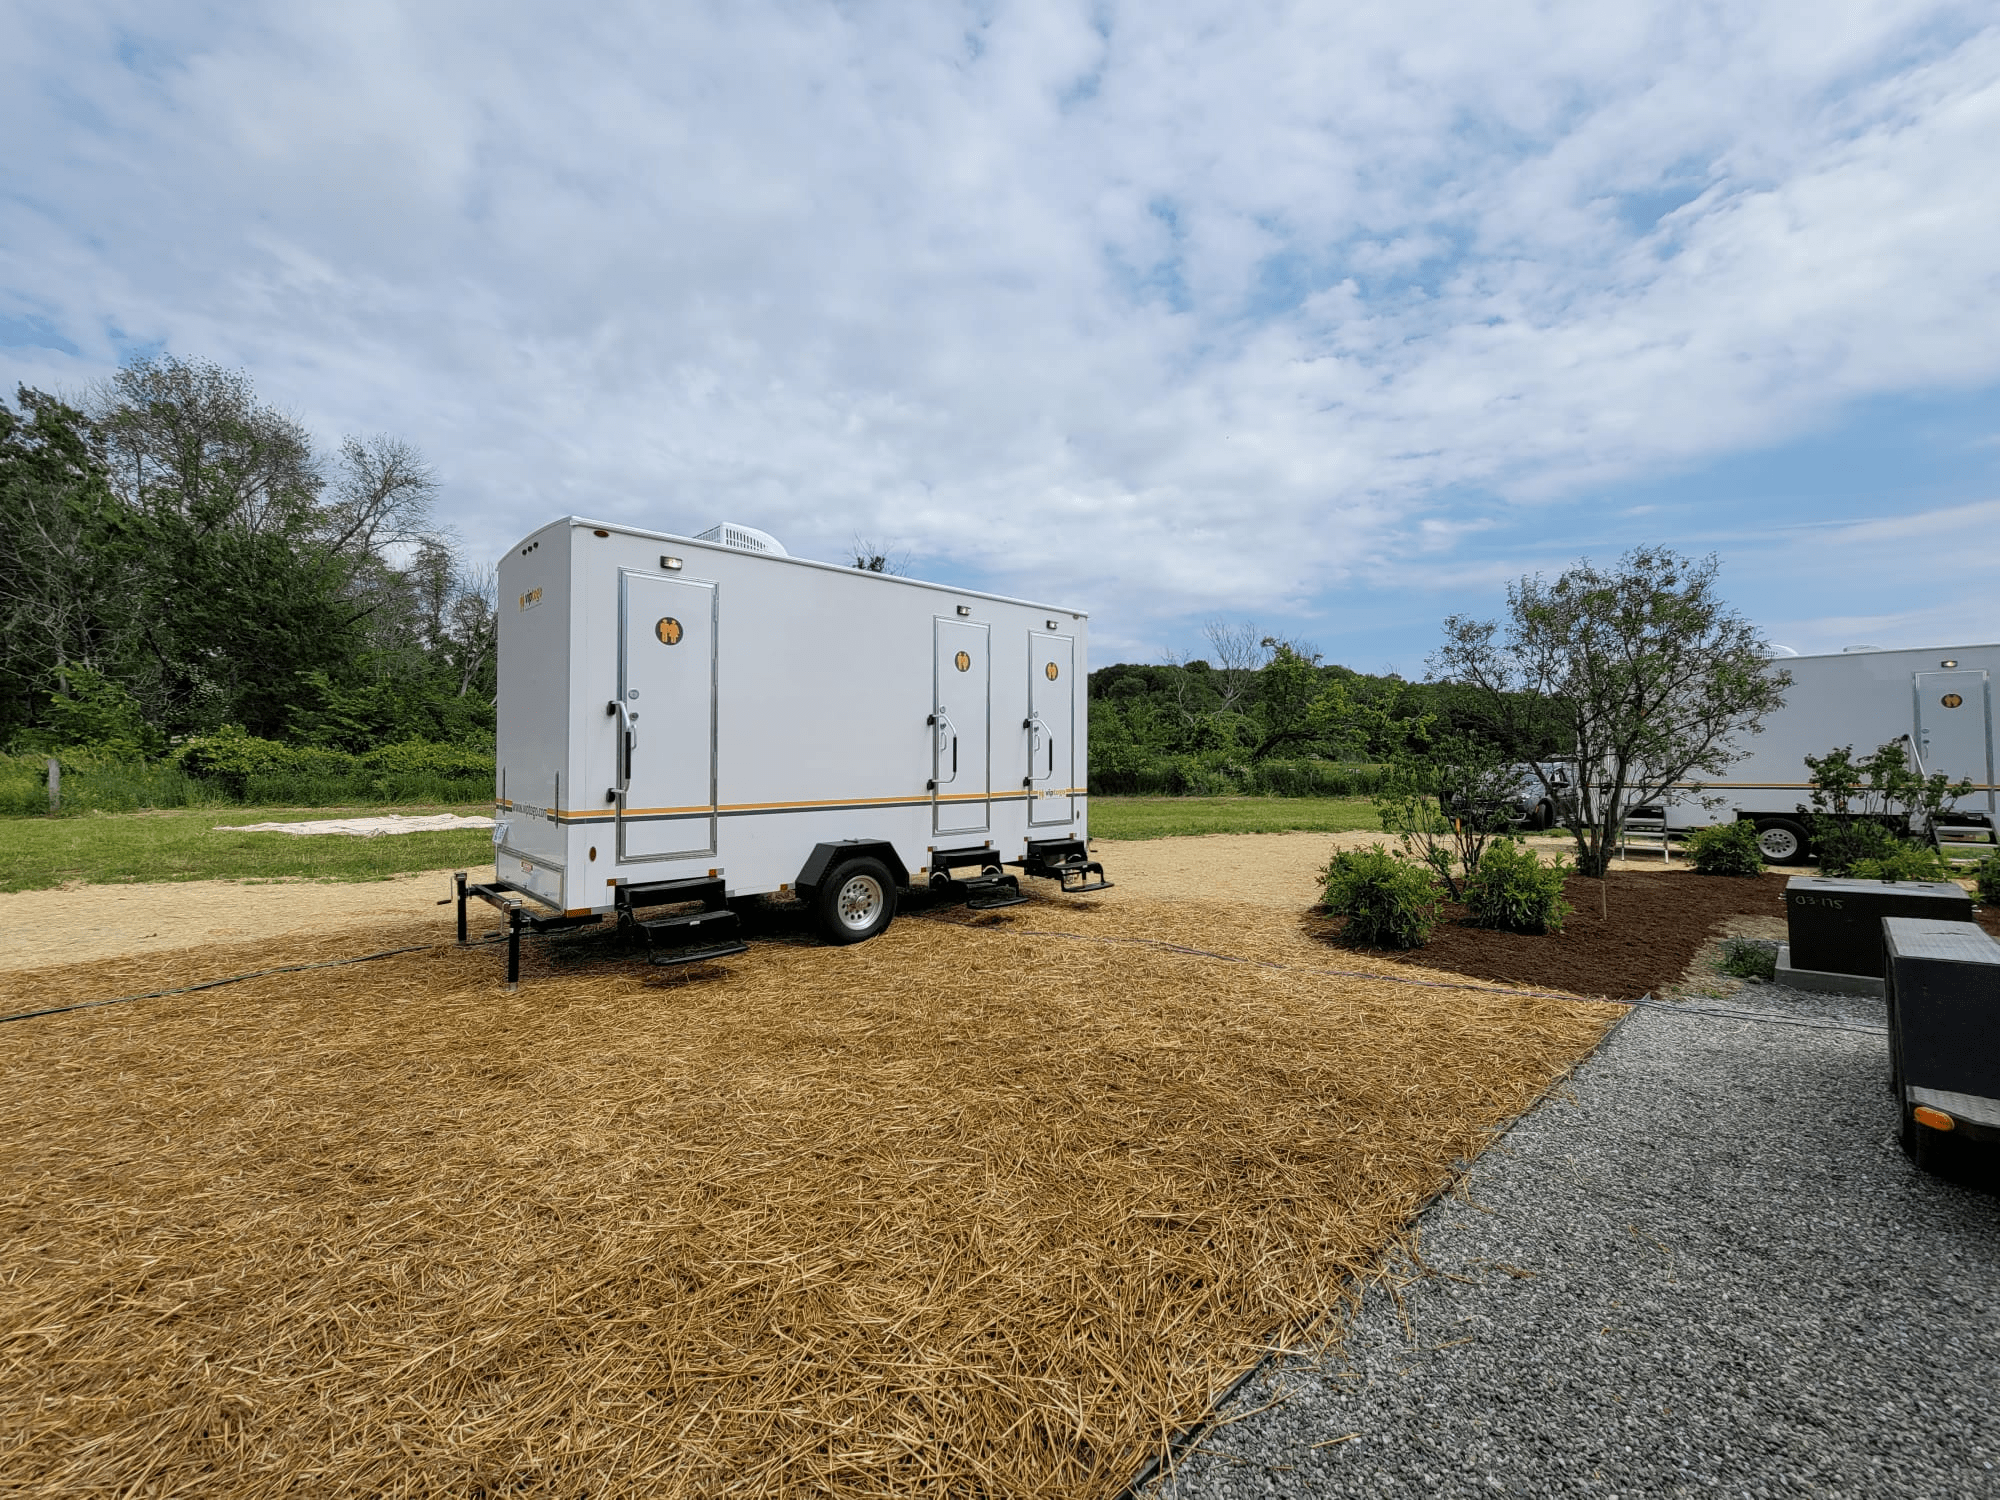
point(1652, 677)
point(64, 602)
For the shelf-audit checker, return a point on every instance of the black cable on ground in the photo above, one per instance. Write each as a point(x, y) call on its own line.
point(209, 984)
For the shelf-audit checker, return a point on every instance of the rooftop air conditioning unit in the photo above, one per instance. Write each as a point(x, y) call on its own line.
point(743, 538)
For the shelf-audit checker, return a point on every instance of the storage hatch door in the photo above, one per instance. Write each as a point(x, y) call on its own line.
point(666, 733)
point(1955, 729)
point(1051, 728)
point(961, 731)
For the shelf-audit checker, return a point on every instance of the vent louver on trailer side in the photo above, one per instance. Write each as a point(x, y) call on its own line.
point(743, 538)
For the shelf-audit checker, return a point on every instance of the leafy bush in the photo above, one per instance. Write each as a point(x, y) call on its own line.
point(1842, 843)
point(1512, 889)
point(1727, 849)
point(1388, 902)
point(98, 781)
point(1443, 800)
point(1986, 880)
point(1904, 862)
point(94, 714)
point(1746, 958)
point(1114, 775)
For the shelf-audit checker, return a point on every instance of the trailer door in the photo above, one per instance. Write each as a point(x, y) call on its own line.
point(1051, 728)
point(1955, 728)
point(961, 732)
point(665, 712)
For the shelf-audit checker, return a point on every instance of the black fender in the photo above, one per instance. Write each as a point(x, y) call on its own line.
point(825, 856)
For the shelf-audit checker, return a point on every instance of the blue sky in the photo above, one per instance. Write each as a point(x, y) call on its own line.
point(1334, 319)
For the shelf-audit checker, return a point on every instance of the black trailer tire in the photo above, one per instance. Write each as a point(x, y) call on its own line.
point(855, 902)
point(1544, 816)
point(1782, 842)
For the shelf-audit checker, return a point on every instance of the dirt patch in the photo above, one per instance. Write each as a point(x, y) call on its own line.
point(1655, 927)
point(89, 923)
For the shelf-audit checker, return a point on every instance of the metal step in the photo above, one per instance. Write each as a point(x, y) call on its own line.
point(1083, 883)
point(678, 939)
point(687, 921)
point(1967, 842)
point(666, 957)
point(990, 892)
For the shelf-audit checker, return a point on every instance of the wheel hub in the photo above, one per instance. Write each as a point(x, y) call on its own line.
point(859, 902)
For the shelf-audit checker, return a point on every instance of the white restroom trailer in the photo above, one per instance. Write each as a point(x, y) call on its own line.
point(1939, 696)
point(685, 721)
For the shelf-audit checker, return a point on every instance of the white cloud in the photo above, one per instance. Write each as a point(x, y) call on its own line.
point(1162, 309)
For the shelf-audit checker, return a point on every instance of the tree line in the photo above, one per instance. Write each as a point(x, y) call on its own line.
point(178, 557)
point(1259, 712)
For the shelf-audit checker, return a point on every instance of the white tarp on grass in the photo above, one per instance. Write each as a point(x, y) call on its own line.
point(366, 827)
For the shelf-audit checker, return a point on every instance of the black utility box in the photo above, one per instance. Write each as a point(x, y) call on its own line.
point(1944, 1028)
point(1835, 926)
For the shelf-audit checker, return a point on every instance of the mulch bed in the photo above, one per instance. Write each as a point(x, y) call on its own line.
point(1657, 923)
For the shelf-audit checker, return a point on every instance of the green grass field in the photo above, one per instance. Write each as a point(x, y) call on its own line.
point(182, 844)
point(1174, 817)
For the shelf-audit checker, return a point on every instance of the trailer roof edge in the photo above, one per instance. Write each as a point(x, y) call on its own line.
point(678, 540)
point(1890, 651)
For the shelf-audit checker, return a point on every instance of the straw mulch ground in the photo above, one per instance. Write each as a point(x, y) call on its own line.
point(965, 1210)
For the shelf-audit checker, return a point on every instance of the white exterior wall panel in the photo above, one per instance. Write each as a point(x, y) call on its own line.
point(1863, 699)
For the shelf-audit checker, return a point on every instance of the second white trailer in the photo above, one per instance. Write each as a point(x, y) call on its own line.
point(1940, 696)
point(684, 721)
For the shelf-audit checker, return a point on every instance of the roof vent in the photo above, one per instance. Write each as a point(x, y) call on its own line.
point(1850, 650)
point(743, 538)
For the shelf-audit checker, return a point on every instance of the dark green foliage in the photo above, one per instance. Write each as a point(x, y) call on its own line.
point(1863, 809)
point(1443, 799)
point(1986, 880)
point(1271, 720)
point(1388, 902)
point(1726, 849)
point(1904, 862)
point(177, 558)
point(244, 768)
point(1744, 958)
point(1513, 890)
point(1652, 676)
point(1842, 843)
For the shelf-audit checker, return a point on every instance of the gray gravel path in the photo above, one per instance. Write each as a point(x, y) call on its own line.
point(1704, 1268)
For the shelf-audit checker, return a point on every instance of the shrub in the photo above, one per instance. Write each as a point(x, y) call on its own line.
point(1388, 902)
point(1746, 958)
point(1512, 889)
point(1986, 880)
point(1843, 843)
point(1727, 849)
point(1903, 862)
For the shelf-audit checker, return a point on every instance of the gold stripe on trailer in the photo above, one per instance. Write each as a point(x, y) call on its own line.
point(921, 799)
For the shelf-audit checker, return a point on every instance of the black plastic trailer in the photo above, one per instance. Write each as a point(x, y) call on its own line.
point(1944, 1039)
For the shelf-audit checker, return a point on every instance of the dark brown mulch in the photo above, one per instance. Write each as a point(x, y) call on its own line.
point(1657, 924)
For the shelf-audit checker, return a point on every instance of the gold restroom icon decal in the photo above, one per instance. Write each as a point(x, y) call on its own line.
point(669, 631)
point(963, 661)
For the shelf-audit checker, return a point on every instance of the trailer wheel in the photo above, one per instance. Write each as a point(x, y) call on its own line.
point(856, 901)
point(1543, 818)
point(1781, 841)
